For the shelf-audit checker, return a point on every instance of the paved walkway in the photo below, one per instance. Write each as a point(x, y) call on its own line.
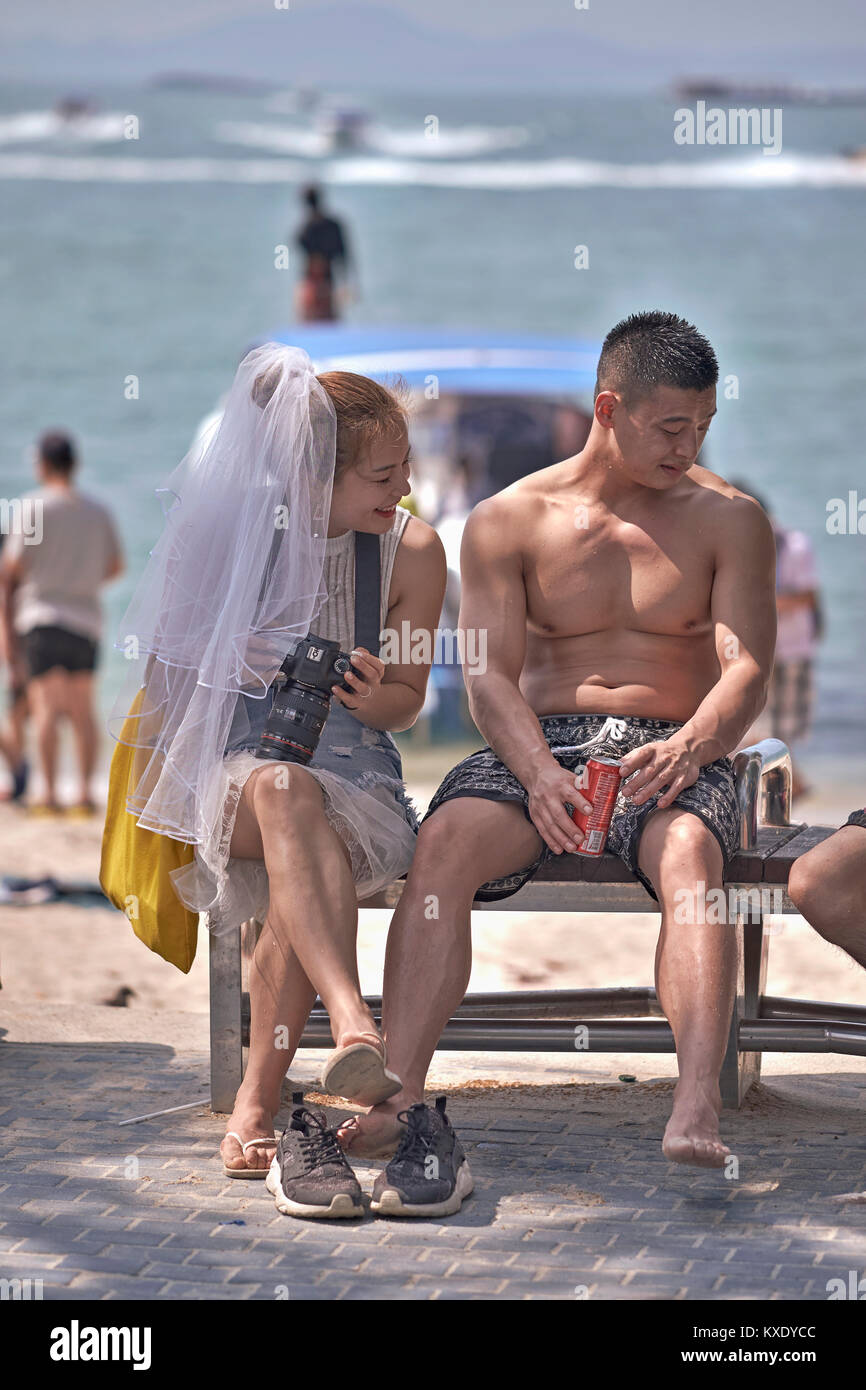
point(573, 1197)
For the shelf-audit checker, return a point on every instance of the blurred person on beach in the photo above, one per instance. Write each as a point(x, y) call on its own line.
point(629, 612)
point(52, 615)
point(788, 713)
point(14, 720)
point(325, 282)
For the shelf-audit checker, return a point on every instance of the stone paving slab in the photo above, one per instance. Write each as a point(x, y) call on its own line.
point(573, 1198)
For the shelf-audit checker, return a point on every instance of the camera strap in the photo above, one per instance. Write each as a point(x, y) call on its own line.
point(368, 591)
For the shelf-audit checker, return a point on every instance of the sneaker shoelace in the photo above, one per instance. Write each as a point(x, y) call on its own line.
point(319, 1145)
point(415, 1143)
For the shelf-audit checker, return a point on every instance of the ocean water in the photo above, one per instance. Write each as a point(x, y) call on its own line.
point(154, 257)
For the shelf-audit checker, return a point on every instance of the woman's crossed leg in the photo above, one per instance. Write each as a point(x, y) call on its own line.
point(307, 946)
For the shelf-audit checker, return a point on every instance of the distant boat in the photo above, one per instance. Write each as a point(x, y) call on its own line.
point(211, 82)
point(343, 127)
point(72, 108)
point(767, 93)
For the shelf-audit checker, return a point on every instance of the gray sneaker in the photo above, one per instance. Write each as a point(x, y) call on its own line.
point(428, 1175)
point(309, 1175)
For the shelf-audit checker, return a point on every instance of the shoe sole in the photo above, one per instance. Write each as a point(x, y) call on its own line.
point(341, 1203)
point(359, 1074)
point(391, 1203)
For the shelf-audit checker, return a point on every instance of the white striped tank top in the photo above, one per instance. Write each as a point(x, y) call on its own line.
point(335, 620)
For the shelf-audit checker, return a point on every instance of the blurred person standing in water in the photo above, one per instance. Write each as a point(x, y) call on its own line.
point(327, 268)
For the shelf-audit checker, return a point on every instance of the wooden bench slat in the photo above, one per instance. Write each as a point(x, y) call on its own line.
point(749, 865)
point(778, 866)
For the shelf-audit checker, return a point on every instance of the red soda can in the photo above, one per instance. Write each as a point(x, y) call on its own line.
point(603, 784)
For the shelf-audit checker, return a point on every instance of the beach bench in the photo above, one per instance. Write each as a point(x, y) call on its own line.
point(605, 1020)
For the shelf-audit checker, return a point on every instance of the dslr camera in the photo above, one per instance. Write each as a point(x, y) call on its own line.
point(302, 699)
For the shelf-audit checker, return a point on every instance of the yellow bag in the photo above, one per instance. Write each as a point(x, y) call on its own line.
point(135, 866)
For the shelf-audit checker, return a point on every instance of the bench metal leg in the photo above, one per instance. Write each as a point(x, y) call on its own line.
point(740, 1070)
point(226, 1050)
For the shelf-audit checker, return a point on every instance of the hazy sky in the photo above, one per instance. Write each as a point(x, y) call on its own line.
point(653, 23)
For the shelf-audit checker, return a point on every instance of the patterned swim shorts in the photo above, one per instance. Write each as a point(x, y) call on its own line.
point(712, 798)
point(857, 818)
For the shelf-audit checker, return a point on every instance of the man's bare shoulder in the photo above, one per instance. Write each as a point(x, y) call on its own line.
point(518, 503)
point(713, 482)
point(718, 497)
point(736, 518)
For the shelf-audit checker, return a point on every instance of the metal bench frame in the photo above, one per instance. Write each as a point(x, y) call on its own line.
point(610, 1020)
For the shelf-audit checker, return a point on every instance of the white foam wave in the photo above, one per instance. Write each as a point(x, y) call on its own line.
point(314, 144)
point(753, 171)
point(468, 140)
point(750, 171)
point(317, 144)
point(30, 127)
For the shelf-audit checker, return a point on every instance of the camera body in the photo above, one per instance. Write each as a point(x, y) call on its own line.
point(302, 699)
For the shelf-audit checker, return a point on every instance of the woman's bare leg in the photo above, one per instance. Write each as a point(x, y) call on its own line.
point(308, 944)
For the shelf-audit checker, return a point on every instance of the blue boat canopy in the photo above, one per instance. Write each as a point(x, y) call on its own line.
point(463, 361)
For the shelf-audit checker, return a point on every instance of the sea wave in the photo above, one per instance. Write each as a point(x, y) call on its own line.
point(444, 144)
point(31, 127)
point(753, 171)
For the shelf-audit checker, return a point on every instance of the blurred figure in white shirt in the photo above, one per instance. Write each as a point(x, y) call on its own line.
point(60, 551)
point(788, 714)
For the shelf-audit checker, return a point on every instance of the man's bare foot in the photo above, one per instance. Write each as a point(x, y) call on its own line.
point(376, 1134)
point(250, 1122)
point(692, 1133)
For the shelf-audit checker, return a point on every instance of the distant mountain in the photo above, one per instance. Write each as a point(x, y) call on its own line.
point(364, 46)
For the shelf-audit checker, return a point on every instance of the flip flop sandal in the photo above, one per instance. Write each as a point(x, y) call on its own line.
point(81, 810)
point(358, 1072)
point(250, 1143)
point(43, 809)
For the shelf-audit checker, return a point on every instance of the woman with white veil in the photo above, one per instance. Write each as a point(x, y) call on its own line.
point(258, 551)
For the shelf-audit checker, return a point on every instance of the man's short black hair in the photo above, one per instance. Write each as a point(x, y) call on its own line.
point(57, 452)
point(312, 197)
point(654, 349)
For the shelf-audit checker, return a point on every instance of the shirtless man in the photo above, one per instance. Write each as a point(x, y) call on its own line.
point(612, 586)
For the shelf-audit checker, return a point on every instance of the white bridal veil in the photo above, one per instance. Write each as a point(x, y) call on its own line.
point(233, 582)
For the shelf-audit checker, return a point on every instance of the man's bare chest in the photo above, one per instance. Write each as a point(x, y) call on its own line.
point(620, 576)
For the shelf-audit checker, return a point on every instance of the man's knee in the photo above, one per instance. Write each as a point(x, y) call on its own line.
point(681, 843)
point(476, 840)
point(804, 883)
